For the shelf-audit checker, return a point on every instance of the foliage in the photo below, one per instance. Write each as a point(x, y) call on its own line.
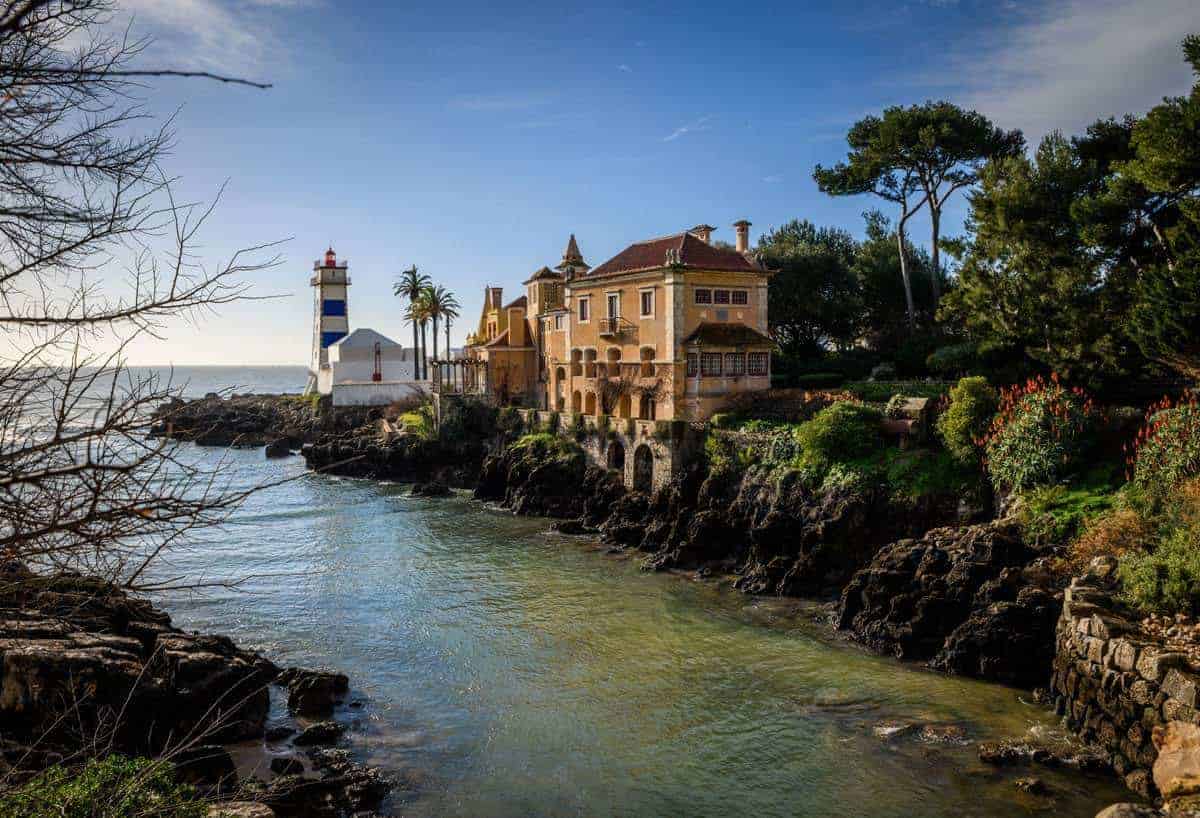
point(921, 472)
point(895, 407)
point(842, 431)
point(963, 424)
point(1167, 447)
point(111, 787)
point(418, 422)
point(818, 380)
point(1116, 533)
point(814, 295)
point(881, 283)
point(1166, 579)
point(509, 422)
point(953, 359)
point(881, 391)
point(1057, 514)
point(1039, 434)
point(553, 422)
point(543, 446)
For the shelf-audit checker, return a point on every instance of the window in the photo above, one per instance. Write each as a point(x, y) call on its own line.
point(333, 306)
point(703, 296)
point(759, 363)
point(583, 310)
point(735, 363)
point(647, 303)
point(710, 364)
point(558, 321)
point(740, 298)
point(720, 296)
point(693, 365)
point(614, 305)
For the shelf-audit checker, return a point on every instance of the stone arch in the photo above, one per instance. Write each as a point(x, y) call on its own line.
point(643, 469)
point(647, 406)
point(577, 362)
point(589, 363)
point(646, 359)
point(560, 388)
point(589, 403)
point(616, 457)
point(625, 406)
point(612, 356)
point(576, 401)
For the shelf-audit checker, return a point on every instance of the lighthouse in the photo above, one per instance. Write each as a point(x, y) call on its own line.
point(331, 318)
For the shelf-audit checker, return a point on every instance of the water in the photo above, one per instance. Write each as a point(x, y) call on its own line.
point(197, 381)
point(510, 671)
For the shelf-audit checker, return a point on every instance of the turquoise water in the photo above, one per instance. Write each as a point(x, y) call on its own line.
point(511, 671)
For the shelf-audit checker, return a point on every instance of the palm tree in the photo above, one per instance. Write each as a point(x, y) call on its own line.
point(441, 305)
point(410, 284)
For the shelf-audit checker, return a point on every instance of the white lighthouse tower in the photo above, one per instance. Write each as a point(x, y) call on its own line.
point(331, 317)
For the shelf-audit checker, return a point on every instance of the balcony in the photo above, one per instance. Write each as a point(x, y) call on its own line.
point(611, 327)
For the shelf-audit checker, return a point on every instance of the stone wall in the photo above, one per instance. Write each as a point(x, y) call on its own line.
point(1112, 683)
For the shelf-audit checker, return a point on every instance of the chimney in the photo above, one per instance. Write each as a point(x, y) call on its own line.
point(703, 232)
point(743, 235)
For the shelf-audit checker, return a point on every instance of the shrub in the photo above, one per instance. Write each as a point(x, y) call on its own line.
point(1166, 579)
point(953, 360)
point(553, 422)
point(1167, 447)
point(881, 391)
point(842, 431)
point(509, 422)
point(895, 407)
point(962, 426)
point(1057, 514)
point(418, 422)
point(1039, 434)
point(1114, 534)
point(112, 787)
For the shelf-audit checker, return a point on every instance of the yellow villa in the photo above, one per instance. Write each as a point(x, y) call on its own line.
point(670, 328)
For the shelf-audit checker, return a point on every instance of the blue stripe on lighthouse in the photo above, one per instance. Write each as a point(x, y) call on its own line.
point(328, 338)
point(333, 306)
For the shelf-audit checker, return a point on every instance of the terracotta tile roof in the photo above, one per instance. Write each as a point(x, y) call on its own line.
point(694, 253)
point(500, 340)
point(517, 302)
point(727, 335)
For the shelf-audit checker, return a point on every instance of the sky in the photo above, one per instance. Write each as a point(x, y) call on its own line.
point(471, 139)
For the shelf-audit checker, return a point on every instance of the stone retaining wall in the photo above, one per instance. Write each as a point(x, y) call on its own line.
point(1113, 684)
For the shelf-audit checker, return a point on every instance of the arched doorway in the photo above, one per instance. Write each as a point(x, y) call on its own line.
point(616, 456)
point(560, 386)
point(643, 469)
point(589, 404)
point(624, 405)
point(576, 401)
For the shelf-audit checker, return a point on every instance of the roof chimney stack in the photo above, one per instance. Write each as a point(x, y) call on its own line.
point(743, 235)
point(703, 232)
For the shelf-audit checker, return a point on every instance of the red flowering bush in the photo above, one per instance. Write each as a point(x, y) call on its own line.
point(1039, 433)
point(1167, 447)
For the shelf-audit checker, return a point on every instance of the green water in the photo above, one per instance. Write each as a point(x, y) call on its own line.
point(510, 671)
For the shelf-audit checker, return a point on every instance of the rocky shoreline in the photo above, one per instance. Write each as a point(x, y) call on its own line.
point(84, 665)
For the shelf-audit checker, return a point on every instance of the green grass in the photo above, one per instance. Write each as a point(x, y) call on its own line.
point(112, 787)
point(418, 422)
point(1058, 513)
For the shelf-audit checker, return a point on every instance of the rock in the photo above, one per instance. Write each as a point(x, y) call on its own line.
point(287, 765)
point(572, 528)
point(277, 448)
point(313, 692)
point(1177, 769)
point(280, 733)
point(1033, 786)
point(433, 488)
point(943, 734)
point(206, 764)
point(240, 809)
point(893, 729)
point(1128, 811)
point(323, 732)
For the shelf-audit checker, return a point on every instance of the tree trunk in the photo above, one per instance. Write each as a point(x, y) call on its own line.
point(447, 339)
point(416, 348)
point(935, 219)
point(435, 329)
point(424, 364)
point(908, 296)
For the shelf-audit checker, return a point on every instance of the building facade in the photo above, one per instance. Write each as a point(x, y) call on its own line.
point(670, 328)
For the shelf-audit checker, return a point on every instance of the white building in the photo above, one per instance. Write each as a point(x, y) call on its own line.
point(370, 369)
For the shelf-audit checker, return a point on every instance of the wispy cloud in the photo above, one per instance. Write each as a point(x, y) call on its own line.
point(700, 124)
point(216, 35)
point(624, 67)
point(1063, 65)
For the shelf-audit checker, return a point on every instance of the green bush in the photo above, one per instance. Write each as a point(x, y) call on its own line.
point(1039, 435)
point(509, 422)
point(112, 787)
point(952, 361)
point(973, 404)
point(1166, 579)
point(1167, 449)
point(553, 422)
point(895, 407)
point(1058, 514)
point(842, 431)
point(881, 391)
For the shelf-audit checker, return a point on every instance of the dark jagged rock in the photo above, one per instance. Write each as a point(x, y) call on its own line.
point(79, 643)
point(279, 422)
point(280, 733)
point(206, 765)
point(323, 732)
point(973, 600)
point(434, 488)
point(313, 692)
point(287, 765)
point(572, 528)
point(277, 448)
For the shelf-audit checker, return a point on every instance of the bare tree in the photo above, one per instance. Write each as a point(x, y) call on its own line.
point(94, 252)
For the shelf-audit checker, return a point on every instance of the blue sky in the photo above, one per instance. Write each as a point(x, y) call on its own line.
point(471, 139)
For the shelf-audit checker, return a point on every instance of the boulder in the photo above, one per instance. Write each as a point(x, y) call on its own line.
point(1177, 769)
point(1128, 811)
point(278, 448)
point(206, 764)
point(287, 765)
point(323, 732)
point(434, 488)
point(240, 809)
point(313, 692)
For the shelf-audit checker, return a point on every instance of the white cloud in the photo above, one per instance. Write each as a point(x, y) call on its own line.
point(700, 124)
point(1064, 65)
point(214, 35)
